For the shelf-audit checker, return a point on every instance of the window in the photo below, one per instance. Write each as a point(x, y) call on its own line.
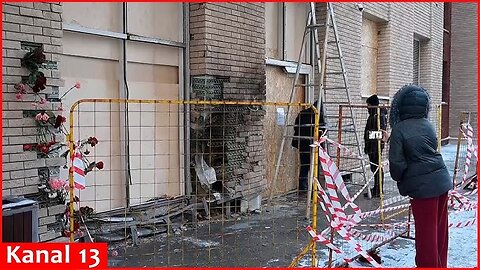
point(284, 28)
point(416, 61)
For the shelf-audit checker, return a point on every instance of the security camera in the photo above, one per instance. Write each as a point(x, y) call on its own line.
point(360, 7)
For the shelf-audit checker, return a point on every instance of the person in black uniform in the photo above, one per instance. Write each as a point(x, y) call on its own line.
point(371, 145)
point(302, 139)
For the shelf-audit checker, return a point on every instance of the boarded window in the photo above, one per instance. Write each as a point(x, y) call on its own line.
point(369, 57)
point(152, 73)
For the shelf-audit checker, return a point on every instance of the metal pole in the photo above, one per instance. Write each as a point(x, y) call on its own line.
point(186, 93)
point(71, 181)
point(379, 167)
point(439, 128)
point(459, 140)
point(315, 192)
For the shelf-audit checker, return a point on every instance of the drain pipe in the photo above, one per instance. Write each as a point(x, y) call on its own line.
point(126, 95)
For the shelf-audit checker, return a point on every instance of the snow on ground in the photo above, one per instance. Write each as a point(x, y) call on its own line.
point(462, 251)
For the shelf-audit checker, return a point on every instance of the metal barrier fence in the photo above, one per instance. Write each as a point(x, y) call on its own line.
point(357, 177)
point(469, 118)
point(180, 182)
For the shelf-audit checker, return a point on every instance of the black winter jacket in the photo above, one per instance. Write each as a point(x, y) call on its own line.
point(415, 163)
point(305, 126)
point(371, 145)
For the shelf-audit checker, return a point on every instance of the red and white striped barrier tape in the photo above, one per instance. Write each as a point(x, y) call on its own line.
point(374, 237)
point(395, 199)
point(334, 181)
point(78, 168)
point(463, 224)
point(321, 239)
point(383, 210)
point(470, 150)
point(343, 224)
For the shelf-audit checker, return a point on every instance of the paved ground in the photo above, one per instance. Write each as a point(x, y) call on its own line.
point(273, 239)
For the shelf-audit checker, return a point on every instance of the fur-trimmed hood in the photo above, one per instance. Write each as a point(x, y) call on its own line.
point(411, 101)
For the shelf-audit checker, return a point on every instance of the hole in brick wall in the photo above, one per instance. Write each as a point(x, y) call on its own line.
point(29, 46)
point(208, 87)
point(31, 113)
point(43, 174)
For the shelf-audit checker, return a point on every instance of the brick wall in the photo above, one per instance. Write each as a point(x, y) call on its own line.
point(37, 24)
point(464, 63)
point(227, 40)
point(398, 22)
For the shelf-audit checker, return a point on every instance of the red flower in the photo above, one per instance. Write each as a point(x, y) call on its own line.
point(99, 165)
point(38, 56)
point(59, 121)
point(45, 149)
point(40, 83)
point(76, 225)
point(77, 85)
point(20, 87)
point(27, 147)
point(92, 141)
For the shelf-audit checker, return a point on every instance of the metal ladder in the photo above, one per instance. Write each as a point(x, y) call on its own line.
point(319, 60)
point(336, 92)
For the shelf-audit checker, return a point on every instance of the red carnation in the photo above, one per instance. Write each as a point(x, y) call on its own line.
point(99, 165)
point(45, 149)
point(39, 147)
point(92, 141)
point(76, 225)
point(40, 83)
point(38, 56)
point(59, 121)
point(27, 147)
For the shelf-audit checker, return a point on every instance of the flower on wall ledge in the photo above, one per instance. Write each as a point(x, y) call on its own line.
point(59, 121)
point(40, 83)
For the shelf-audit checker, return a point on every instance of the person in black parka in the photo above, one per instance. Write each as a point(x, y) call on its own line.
point(302, 139)
point(420, 173)
point(371, 145)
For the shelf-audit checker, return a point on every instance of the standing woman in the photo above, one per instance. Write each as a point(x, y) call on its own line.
point(420, 173)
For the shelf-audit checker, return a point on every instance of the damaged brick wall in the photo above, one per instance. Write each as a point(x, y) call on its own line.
point(227, 40)
point(27, 25)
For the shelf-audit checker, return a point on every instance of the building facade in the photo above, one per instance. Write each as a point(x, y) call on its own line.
point(245, 50)
point(463, 65)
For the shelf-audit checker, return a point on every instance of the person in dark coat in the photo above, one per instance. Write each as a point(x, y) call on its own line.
point(302, 139)
point(371, 145)
point(420, 173)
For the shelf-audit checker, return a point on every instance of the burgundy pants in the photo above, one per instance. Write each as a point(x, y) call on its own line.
point(431, 231)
